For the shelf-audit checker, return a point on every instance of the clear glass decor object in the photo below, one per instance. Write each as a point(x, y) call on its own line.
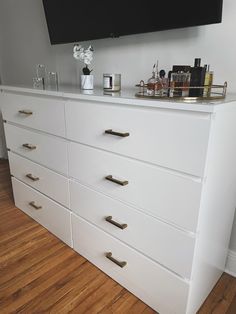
point(41, 73)
point(86, 82)
point(38, 83)
point(53, 81)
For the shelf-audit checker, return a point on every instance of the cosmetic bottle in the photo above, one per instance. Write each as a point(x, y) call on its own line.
point(179, 84)
point(208, 81)
point(151, 83)
point(197, 79)
point(178, 69)
point(164, 81)
point(154, 84)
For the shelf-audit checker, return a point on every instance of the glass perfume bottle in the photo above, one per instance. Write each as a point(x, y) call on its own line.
point(154, 84)
point(151, 83)
point(197, 79)
point(179, 84)
point(164, 81)
point(208, 81)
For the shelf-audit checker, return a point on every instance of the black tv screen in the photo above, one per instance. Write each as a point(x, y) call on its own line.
point(76, 20)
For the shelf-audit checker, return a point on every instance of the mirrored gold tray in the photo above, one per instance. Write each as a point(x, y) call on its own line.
point(217, 92)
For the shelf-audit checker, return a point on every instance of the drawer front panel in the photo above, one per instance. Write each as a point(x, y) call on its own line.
point(40, 178)
point(164, 195)
point(45, 149)
point(175, 140)
point(146, 279)
point(51, 215)
point(45, 114)
point(155, 239)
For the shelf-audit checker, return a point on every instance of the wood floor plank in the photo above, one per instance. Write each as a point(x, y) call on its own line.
point(95, 302)
point(232, 307)
point(221, 297)
point(79, 293)
point(58, 297)
point(35, 271)
point(40, 274)
point(124, 303)
point(19, 298)
point(31, 261)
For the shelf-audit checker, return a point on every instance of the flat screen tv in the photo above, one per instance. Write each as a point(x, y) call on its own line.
point(76, 20)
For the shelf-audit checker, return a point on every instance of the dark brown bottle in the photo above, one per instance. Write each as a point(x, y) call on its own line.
point(197, 79)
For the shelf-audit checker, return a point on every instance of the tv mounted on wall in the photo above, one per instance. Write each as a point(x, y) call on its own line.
point(76, 20)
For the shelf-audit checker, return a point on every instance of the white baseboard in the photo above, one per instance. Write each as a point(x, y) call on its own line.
point(230, 267)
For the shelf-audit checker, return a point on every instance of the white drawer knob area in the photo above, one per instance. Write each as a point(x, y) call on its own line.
point(115, 223)
point(26, 112)
point(120, 134)
point(116, 181)
point(31, 177)
point(114, 260)
point(134, 186)
point(29, 146)
point(168, 138)
point(32, 204)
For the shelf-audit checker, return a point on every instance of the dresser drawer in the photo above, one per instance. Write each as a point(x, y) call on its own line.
point(155, 239)
point(40, 178)
point(51, 215)
point(171, 197)
point(45, 114)
point(44, 149)
point(157, 287)
point(176, 140)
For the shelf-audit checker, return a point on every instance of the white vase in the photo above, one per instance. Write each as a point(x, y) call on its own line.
point(86, 81)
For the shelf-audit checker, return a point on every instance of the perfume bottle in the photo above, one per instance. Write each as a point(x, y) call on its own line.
point(154, 84)
point(208, 81)
point(164, 81)
point(151, 83)
point(179, 84)
point(197, 79)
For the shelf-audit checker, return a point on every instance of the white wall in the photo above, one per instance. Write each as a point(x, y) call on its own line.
point(26, 43)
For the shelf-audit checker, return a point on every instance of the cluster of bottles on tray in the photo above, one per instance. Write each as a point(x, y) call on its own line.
point(182, 81)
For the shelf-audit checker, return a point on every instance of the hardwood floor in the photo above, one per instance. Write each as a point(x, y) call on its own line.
point(40, 274)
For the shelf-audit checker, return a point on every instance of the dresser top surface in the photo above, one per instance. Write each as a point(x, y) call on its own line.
point(125, 96)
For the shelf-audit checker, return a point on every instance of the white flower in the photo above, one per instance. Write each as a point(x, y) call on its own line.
point(82, 54)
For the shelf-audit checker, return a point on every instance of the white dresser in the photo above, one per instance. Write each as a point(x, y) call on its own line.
point(145, 190)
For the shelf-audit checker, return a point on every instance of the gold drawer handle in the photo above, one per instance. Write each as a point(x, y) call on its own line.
point(31, 177)
point(110, 178)
point(120, 264)
point(111, 221)
point(29, 146)
point(111, 132)
point(32, 204)
point(26, 112)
